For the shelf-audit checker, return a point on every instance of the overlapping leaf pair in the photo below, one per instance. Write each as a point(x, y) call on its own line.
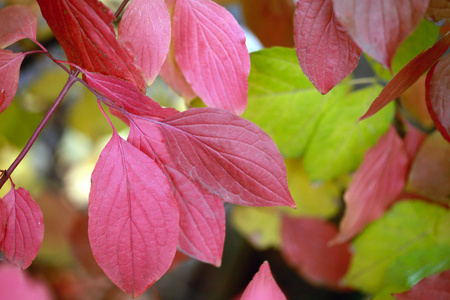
point(331, 35)
point(163, 187)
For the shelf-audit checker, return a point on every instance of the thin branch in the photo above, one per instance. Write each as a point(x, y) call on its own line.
point(121, 8)
point(72, 79)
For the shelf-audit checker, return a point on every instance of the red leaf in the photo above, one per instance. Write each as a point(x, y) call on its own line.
point(436, 287)
point(376, 184)
point(202, 215)
point(15, 284)
point(24, 228)
point(125, 96)
point(146, 26)
point(16, 22)
point(305, 247)
point(408, 75)
point(325, 51)
point(211, 53)
point(380, 26)
point(437, 88)
point(263, 286)
point(85, 31)
point(133, 218)
point(9, 76)
point(228, 156)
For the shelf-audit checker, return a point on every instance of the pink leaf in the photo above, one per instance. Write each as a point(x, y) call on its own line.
point(228, 156)
point(211, 53)
point(146, 26)
point(263, 286)
point(24, 228)
point(15, 284)
point(171, 74)
point(376, 184)
point(202, 216)
point(325, 51)
point(408, 75)
point(9, 76)
point(85, 31)
point(380, 26)
point(305, 247)
point(436, 287)
point(16, 22)
point(133, 218)
point(125, 96)
point(437, 88)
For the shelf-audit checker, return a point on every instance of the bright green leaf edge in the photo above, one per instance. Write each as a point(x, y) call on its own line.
point(386, 254)
point(421, 39)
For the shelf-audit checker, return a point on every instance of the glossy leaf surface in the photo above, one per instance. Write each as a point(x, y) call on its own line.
point(408, 75)
point(325, 51)
point(228, 156)
point(202, 216)
point(17, 22)
point(211, 53)
point(9, 76)
point(23, 228)
point(412, 242)
point(85, 31)
point(263, 286)
point(380, 26)
point(376, 184)
point(145, 25)
point(133, 217)
point(305, 245)
point(437, 88)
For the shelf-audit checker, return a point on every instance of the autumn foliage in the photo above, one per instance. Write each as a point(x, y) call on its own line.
point(320, 167)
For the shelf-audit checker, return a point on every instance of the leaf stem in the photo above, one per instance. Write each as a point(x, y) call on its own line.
point(120, 9)
point(6, 174)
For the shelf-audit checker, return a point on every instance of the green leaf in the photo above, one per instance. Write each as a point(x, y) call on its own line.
point(406, 272)
point(422, 38)
point(410, 242)
point(312, 199)
point(340, 141)
point(259, 225)
point(282, 100)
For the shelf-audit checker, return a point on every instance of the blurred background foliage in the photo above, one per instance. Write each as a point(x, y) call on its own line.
point(318, 136)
